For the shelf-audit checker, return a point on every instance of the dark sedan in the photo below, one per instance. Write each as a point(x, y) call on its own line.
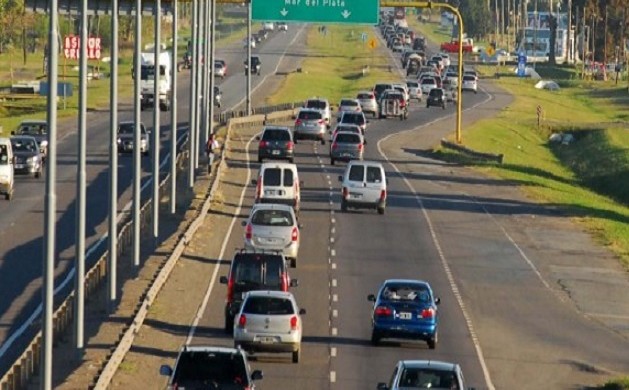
point(405, 309)
point(28, 157)
point(436, 97)
point(36, 128)
point(276, 143)
point(126, 137)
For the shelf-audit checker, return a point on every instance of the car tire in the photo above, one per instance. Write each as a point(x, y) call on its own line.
point(296, 355)
point(331, 161)
point(381, 210)
point(432, 342)
point(293, 263)
point(37, 175)
point(291, 160)
point(260, 160)
point(343, 205)
point(229, 325)
point(375, 338)
point(322, 141)
point(8, 195)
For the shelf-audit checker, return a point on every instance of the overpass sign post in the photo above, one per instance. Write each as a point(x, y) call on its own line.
point(322, 11)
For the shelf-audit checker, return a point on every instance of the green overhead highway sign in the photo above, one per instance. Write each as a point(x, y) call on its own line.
point(319, 11)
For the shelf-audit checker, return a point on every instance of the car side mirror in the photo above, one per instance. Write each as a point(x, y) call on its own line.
point(243, 223)
point(257, 138)
point(365, 142)
point(371, 298)
point(382, 386)
point(294, 282)
point(256, 375)
point(302, 311)
point(300, 226)
point(165, 370)
point(222, 280)
point(437, 301)
point(254, 182)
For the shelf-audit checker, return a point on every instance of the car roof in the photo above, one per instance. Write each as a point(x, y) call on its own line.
point(277, 164)
point(270, 293)
point(209, 348)
point(434, 364)
point(276, 128)
point(34, 121)
point(348, 132)
point(365, 162)
point(409, 281)
point(271, 206)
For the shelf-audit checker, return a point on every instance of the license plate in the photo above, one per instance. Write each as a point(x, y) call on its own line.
point(266, 240)
point(267, 340)
point(346, 155)
point(406, 316)
point(269, 192)
point(19, 166)
point(275, 152)
point(356, 196)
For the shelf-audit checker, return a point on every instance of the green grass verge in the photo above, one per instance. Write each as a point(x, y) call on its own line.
point(587, 178)
point(333, 68)
point(616, 384)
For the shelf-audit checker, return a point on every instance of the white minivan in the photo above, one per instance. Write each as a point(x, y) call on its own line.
point(6, 168)
point(364, 185)
point(278, 182)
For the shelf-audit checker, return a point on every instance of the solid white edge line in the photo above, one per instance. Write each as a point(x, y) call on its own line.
point(453, 285)
point(210, 287)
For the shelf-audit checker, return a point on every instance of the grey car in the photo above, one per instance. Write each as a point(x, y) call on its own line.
point(368, 102)
point(347, 146)
point(28, 157)
point(425, 374)
point(276, 142)
point(38, 129)
point(310, 124)
point(126, 137)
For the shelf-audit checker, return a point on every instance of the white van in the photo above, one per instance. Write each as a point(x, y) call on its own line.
point(6, 168)
point(364, 186)
point(278, 182)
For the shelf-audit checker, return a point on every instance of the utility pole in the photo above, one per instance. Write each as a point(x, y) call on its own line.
point(570, 36)
point(605, 39)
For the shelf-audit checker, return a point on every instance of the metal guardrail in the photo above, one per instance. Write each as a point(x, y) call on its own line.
point(27, 365)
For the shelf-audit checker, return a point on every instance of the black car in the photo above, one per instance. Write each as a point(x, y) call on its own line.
point(39, 130)
point(256, 65)
point(253, 271)
point(210, 367)
point(436, 97)
point(126, 136)
point(28, 157)
point(276, 143)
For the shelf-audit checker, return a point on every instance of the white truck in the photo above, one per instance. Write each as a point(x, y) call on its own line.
point(147, 83)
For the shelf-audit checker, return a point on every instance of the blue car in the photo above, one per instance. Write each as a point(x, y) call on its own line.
point(405, 309)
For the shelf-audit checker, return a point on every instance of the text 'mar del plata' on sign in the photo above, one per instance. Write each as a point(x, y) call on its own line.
point(318, 11)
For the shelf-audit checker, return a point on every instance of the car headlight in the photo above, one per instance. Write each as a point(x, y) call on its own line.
point(30, 160)
point(43, 144)
point(4, 178)
point(119, 140)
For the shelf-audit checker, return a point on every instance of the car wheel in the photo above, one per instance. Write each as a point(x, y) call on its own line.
point(343, 205)
point(8, 195)
point(145, 153)
point(432, 342)
point(291, 160)
point(331, 161)
point(229, 325)
point(37, 175)
point(443, 106)
point(293, 263)
point(260, 159)
point(381, 210)
point(322, 141)
point(375, 338)
point(296, 355)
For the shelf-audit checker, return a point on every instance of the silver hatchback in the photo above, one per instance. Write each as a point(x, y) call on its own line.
point(368, 102)
point(346, 146)
point(269, 321)
point(310, 124)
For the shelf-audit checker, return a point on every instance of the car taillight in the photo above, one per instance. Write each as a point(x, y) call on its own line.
point(428, 313)
point(262, 144)
point(242, 321)
point(345, 192)
point(294, 234)
point(249, 232)
point(334, 146)
point(402, 103)
point(284, 281)
point(298, 122)
point(230, 290)
point(360, 147)
point(383, 194)
point(321, 121)
point(289, 145)
point(293, 323)
point(383, 311)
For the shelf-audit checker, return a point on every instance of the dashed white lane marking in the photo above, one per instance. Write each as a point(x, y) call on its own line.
point(322, 165)
point(335, 298)
point(334, 283)
point(332, 252)
point(327, 177)
point(333, 220)
point(333, 351)
point(335, 313)
point(332, 376)
point(334, 332)
point(332, 240)
point(333, 265)
point(333, 230)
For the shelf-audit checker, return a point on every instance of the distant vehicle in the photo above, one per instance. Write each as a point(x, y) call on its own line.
point(147, 79)
point(405, 309)
point(425, 374)
point(38, 129)
point(393, 103)
point(281, 26)
point(278, 182)
point(368, 103)
point(273, 227)
point(7, 171)
point(253, 271)
point(218, 96)
point(348, 105)
point(348, 128)
point(269, 321)
point(427, 84)
point(199, 365)
point(469, 83)
point(276, 142)
point(256, 65)
point(269, 26)
point(322, 105)
point(220, 70)
point(436, 97)
point(453, 46)
point(252, 42)
point(354, 118)
point(126, 137)
point(310, 124)
point(28, 157)
point(364, 185)
point(414, 90)
point(347, 146)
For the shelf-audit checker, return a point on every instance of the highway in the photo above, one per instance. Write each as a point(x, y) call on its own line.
point(21, 225)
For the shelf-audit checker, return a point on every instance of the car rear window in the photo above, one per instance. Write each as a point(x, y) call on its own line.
point(469, 78)
point(435, 92)
point(412, 84)
point(272, 218)
point(288, 178)
point(406, 292)
point(427, 378)
point(268, 305)
point(349, 103)
point(357, 173)
point(347, 138)
point(374, 175)
point(318, 104)
point(276, 135)
point(353, 118)
point(365, 96)
point(208, 367)
point(272, 177)
point(428, 80)
point(310, 115)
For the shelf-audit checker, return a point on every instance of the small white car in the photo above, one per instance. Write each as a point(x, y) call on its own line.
point(346, 104)
point(469, 83)
point(269, 321)
point(364, 185)
point(414, 90)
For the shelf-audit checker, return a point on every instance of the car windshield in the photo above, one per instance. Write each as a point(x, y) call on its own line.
point(405, 292)
point(427, 378)
point(310, 115)
point(196, 369)
point(268, 306)
point(128, 128)
point(24, 145)
point(469, 78)
point(272, 218)
point(435, 92)
point(276, 135)
point(33, 129)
